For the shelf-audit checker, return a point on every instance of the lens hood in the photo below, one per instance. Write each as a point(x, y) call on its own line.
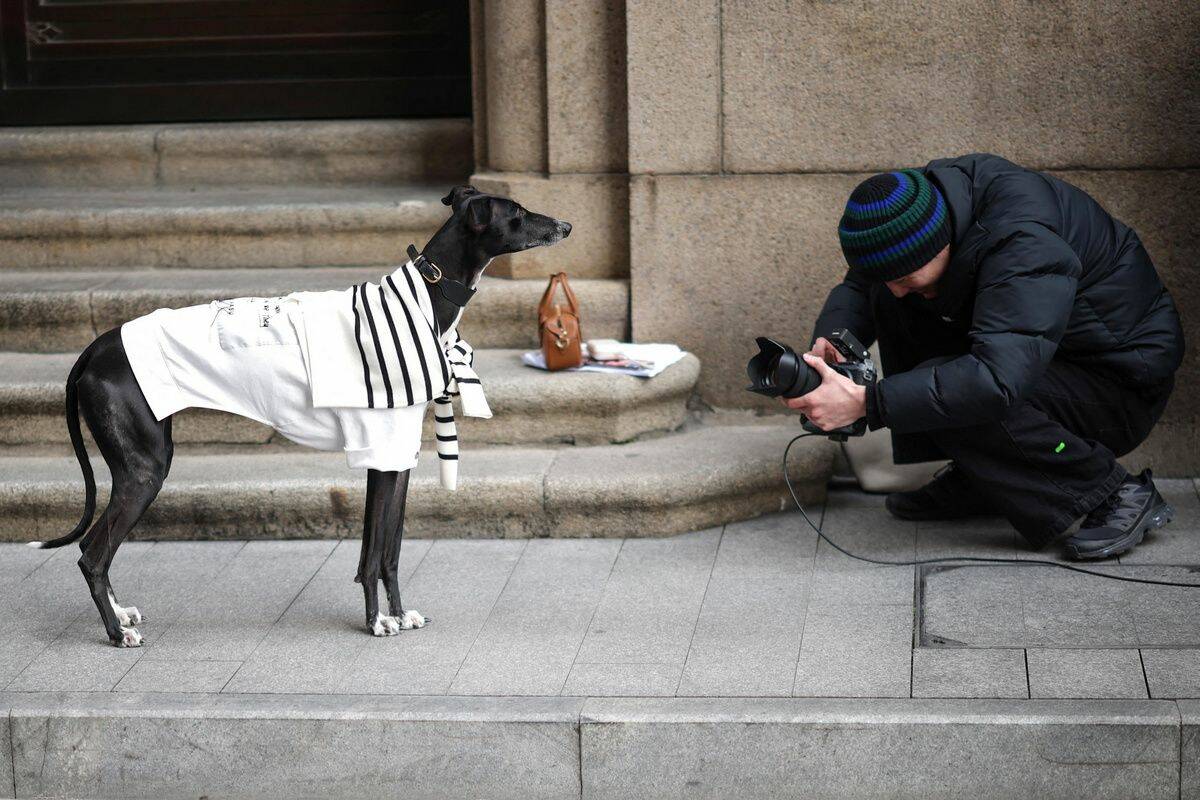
point(777, 371)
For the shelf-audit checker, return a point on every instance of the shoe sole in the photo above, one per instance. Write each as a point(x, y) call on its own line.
point(1156, 519)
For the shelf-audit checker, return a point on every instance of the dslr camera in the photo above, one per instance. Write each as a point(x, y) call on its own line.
point(779, 371)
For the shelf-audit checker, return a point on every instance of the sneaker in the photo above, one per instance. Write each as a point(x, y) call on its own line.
point(948, 496)
point(1119, 523)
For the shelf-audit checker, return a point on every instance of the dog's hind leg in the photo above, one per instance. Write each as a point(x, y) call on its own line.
point(390, 565)
point(138, 449)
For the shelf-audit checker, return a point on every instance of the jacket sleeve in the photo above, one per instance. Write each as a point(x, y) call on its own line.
point(1024, 295)
point(848, 306)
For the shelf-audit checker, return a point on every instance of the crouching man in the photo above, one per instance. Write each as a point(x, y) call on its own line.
point(1024, 335)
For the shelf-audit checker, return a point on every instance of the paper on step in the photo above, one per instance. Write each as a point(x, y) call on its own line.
point(643, 360)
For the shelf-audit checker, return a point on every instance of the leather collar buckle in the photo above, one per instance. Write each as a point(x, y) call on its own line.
point(454, 291)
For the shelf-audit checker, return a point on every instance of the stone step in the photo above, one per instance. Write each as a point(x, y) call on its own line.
point(530, 406)
point(237, 153)
point(680, 482)
point(594, 748)
point(55, 311)
point(245, 226)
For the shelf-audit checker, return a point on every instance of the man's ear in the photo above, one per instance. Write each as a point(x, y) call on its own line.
point(479, 213)
point(457, 194)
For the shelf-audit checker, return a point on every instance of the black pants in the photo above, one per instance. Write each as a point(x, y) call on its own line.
point(1053, 457)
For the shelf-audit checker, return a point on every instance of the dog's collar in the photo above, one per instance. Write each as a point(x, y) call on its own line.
point(454, 291)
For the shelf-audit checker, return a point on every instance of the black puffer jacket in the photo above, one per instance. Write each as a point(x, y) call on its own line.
point(1039, 271)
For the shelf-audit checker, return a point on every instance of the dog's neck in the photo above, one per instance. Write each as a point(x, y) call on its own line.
point(457, 259)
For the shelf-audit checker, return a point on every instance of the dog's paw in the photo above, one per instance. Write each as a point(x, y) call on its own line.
point(129, 638)
point(129, 616)
point(385, 626)
point(412, 619)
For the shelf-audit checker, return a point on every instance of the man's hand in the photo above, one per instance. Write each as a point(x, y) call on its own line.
point(822, 348)
point(837, 402)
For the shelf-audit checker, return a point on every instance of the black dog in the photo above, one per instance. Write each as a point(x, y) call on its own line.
point(138, 448)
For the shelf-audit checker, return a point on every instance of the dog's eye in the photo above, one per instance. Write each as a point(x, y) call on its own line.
point(514, 223)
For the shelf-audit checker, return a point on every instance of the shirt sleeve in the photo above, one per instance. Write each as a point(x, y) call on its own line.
point(1024, 296)
point(848, 306)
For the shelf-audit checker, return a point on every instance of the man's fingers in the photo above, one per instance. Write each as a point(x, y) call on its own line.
point(818, 364)
point(824, 349)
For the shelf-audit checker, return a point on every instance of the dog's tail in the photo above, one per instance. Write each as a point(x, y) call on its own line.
point(89, 478)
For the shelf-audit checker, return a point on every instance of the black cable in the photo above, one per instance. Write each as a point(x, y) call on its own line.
point(956, 559)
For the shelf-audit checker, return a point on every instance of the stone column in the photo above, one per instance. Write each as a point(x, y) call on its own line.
point(553, 130)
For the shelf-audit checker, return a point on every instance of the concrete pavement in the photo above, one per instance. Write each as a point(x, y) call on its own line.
point(747, 660)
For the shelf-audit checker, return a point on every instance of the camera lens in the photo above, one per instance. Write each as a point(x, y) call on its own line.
point(777, 371)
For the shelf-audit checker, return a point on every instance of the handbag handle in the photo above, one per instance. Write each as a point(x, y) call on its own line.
point(556, 280)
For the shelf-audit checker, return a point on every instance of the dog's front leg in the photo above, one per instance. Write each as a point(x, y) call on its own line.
point(390, 565)
point(382, 533)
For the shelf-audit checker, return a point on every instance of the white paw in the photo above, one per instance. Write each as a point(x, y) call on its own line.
point(385, 626)
point(411, 619)
point(129, 638)
point(129, 616)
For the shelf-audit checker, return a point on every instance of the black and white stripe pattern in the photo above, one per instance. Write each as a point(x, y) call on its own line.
point(405, 361)
point(466, 386)
point(398, 342)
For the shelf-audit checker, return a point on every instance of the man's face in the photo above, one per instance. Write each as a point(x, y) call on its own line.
point(925, 280)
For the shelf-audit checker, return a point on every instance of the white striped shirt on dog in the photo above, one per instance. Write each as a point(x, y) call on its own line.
point(378, 346)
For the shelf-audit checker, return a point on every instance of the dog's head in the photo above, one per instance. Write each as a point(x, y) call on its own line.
point(499, 225)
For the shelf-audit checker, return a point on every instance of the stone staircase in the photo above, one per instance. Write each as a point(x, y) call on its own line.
point(100, 225)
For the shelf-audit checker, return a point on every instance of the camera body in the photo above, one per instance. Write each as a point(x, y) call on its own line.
point(778, 371)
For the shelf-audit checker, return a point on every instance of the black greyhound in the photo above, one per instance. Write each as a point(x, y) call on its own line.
point(138, 448)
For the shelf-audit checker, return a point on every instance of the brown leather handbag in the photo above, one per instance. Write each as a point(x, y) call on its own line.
point(558, 328)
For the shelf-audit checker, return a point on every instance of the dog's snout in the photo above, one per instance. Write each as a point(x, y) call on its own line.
point(566, 228)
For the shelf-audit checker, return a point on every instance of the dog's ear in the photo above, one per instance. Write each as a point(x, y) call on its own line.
point(479, 213)
point(457, 195)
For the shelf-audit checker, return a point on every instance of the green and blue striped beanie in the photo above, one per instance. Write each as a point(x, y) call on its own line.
point(895, 223)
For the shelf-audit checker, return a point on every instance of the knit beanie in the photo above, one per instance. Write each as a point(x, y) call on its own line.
point(895, 223)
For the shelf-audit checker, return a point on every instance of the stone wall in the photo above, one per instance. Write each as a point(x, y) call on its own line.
point(704, 148)
point(750, 122)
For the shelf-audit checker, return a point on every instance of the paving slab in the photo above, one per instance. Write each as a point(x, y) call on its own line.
point(1085, 673)
point(312, 646)
point(866, 531)
point(457, 585)
point(1013, 606)
point(1172, 672)
point(969, 673)
point(651, 601)
point(855, 650)
point(238, 609)
point(43, 605)
point(751, 622)
point(534, 631)
point(178, 676)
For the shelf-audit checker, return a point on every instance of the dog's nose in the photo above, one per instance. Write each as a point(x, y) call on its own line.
point(566, 228)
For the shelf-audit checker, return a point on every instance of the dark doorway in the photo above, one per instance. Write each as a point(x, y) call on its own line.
point(112, 61)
